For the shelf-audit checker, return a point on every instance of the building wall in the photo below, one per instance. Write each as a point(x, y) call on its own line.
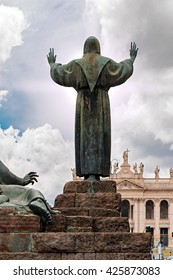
point(138, 190)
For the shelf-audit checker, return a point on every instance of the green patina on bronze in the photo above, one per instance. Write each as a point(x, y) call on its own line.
point(13, 193)
point(92, 76)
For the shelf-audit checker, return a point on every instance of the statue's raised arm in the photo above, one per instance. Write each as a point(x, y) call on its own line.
point(51, 57)
point(133, 51)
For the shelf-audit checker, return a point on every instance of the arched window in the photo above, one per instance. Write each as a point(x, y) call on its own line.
point(163, 209)
point(149, 209)
point(125, 208)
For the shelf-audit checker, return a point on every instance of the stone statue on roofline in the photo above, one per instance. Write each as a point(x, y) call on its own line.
point(171, 172)
point(135, 167)
point(141, 168)
point(92, 76)
point(126, 156)
point(156, 171)
point(13, 193)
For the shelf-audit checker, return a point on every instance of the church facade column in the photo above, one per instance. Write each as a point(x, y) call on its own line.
point(156, 221)
point(136, 215)
point(170, 215)
point(141, 215)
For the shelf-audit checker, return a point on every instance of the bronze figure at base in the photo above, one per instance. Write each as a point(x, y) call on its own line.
point(13, 193)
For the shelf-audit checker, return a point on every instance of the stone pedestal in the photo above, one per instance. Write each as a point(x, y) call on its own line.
point(89, 227)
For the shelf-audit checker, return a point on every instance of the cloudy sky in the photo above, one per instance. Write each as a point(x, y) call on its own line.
point(37, 115)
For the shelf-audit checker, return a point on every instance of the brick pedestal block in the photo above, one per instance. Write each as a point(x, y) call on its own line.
point(86, 187)
point(15, 242)
point(89, 200)
point(88, 228)
point(11, 221)
point(75, 256)
point(95, 212)
point(75, 245)
point(88, 224)
point(110, 224)
point(113, 242)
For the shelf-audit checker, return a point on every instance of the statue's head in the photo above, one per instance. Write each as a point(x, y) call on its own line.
point(92, 45)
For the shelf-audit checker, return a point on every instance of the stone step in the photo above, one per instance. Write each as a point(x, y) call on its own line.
point(12, 221)
point(88, 224)
point(90, 187)
point(89, 200)
point(82, 242)
point(84, 211)
point(75, 256)
point(88, 228)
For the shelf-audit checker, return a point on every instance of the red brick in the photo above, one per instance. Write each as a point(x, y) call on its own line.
point(108, 201)
point(122, 242)
point(73, 211)
point(79, 224)
point(85, 186)
point(101, 212)
point(64, 200)
point(19, 223)
point(51, 242)
point(84, 242)
point(58, 223)
point(111, 224)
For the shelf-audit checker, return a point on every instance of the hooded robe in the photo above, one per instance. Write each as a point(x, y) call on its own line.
point(92, 76)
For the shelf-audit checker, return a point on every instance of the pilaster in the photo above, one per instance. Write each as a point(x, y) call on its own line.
point(141, 215)
point(170, 215)
point(156, 221)
point(136, 215)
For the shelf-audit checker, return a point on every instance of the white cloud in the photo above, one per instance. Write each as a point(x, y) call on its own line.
point(3, 95)
point(42, 150)
point(141, 108)
point(12, 24)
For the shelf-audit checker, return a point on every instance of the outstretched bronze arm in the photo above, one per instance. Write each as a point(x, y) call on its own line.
point(133, 51)
point(51, 57)
point(31, 177)
point(8, 178)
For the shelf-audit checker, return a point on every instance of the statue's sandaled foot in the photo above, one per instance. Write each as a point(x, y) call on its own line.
point(52, 211)
point(39, 208)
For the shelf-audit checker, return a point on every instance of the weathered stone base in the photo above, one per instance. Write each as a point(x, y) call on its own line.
point(84, 211)
point(88, 228)
point(75, 256)
point(89, 199)
point(63, 223)
point(12, 221)
point(79, 245)
point(90, 187)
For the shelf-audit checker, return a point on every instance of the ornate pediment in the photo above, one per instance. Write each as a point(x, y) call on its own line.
point(128, 185)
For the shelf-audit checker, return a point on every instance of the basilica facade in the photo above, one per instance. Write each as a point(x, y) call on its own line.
point(147, 202)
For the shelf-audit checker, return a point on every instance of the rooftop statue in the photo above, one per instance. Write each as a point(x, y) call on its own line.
point(13, 193)
point(92, 76)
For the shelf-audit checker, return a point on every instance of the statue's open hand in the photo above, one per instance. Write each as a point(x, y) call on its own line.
point(51, 57)
point(133, 51)
point(31, 177)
